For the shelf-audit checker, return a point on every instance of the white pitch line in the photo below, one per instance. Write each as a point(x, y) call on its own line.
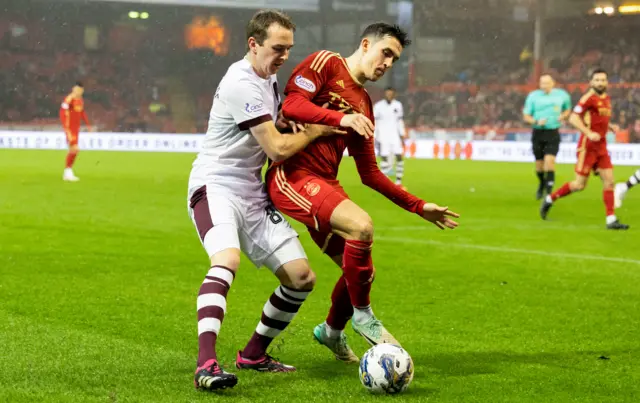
point(509, 250)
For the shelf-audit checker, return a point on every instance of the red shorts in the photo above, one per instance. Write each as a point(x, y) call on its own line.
point(310, 200)
point(591, 160)
point(72, 136)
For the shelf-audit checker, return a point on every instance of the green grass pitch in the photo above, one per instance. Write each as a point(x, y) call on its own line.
point(98, 285)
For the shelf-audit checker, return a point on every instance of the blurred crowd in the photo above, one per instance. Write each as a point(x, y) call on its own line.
point(122, 94)
point(140, 92)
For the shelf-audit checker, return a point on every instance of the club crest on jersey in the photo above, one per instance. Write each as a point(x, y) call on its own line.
point(312, 188)
point(253, 108)
point(305, 84)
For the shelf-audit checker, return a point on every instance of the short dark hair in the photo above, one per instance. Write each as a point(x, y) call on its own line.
point(382, 29)
point(598, 70)
point(263, 19)
point(390, 89)
point(79, 84)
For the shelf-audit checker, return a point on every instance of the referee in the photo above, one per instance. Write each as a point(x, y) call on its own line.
point(545, 109)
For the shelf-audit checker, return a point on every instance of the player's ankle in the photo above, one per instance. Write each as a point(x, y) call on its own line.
point(362, 314)
point(331, 332)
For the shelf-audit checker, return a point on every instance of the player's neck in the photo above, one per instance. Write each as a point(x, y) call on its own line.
point(353, 62)
point(254, 64)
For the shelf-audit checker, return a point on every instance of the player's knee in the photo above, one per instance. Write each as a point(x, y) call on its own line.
point(363, 228)
point(303, 279)
point(578, 186)
point(399, 157)
point(229, 258)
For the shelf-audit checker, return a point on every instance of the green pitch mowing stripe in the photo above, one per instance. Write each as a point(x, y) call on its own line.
point(98, 284)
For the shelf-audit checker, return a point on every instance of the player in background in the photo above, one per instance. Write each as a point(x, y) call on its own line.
point(229, 206)
point(545, 109)
point(305, 187)
point(621, 189)
point(592, 116)
point(71, 113)
point(390, 134)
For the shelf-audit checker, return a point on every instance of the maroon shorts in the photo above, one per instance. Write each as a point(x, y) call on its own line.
point(310, 200)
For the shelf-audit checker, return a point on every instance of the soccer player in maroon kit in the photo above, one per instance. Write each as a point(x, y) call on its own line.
point(305, 186)
point(592, 116)
point(71, 113)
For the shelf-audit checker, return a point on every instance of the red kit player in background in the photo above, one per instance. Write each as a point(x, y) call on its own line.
point(305, 187)
point(592, 116)
point(71, 112)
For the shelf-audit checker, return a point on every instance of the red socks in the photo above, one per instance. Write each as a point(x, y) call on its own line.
point(562, 192)
point(357, 267)
point(71, 158)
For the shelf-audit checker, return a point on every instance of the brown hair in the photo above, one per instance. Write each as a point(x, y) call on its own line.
point(263, 19)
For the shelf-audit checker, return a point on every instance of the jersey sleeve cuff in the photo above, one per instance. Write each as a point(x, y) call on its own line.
point(420, 207)
point(248, 124)
point(335, 118)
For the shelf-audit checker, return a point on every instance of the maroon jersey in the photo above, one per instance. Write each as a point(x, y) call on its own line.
point(322, 78)
point(595, 110)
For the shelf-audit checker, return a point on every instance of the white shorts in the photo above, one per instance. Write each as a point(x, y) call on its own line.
point(256, 228)
point(391, 146)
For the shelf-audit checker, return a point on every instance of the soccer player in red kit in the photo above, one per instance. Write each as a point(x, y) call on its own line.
point(592, 116)
point(71, 113)
point(305, 186)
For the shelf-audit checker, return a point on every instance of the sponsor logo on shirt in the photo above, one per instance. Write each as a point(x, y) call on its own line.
point(253, 108)
point(305, 84)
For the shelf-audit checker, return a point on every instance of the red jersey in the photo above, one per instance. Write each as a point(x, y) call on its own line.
point(71, 112)
point(595, 111)
point(324, 77)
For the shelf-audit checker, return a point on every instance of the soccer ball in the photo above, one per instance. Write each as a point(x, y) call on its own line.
point(386, 368)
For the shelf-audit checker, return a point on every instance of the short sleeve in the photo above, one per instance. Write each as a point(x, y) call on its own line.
point(376, 110)
point(528, 105)
point(583, 106)
point(245, 102)
point(400, 110)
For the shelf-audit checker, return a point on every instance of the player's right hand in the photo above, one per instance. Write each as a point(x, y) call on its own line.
point(593, 136)
point(358, 122)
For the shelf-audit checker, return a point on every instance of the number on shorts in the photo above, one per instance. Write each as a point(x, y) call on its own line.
point(274, 215)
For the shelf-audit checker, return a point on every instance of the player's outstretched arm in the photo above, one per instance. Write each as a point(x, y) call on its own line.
point(362, 151)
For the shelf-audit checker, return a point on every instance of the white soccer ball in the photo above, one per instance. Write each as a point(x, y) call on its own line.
point(386, 368)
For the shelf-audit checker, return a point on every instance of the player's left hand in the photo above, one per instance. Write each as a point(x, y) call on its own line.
point(439, 216)
point(322, 131)
point(283, 123)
